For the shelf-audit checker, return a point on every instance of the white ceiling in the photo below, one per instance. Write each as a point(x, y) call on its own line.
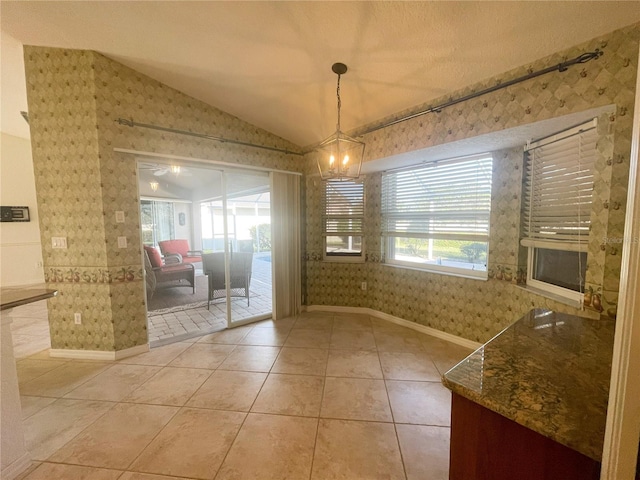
point(269, 63)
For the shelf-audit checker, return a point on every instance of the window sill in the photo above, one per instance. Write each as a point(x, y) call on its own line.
point(560, 299)
point(345, 259)
point(438, 272)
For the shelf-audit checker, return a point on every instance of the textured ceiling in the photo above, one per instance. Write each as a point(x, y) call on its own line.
point(269, 63)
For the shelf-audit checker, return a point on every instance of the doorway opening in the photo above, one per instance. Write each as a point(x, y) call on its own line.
point(206, 234)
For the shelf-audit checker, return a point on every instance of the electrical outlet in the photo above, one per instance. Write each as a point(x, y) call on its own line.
point(363, 286)
point(77, 318)
point(119, 216)
point(122, 242)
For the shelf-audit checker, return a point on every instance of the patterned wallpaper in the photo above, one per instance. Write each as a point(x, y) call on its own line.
point(74, 99)
point(76, 96)
point(474, 309)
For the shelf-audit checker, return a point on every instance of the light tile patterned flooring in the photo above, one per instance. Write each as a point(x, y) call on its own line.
point(321, 396)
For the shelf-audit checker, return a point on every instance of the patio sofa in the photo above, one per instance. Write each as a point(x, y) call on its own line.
point(181, 247)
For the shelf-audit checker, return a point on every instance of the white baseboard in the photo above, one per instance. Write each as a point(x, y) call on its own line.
point(98, 354)
point(16, 467)
point(398, 321)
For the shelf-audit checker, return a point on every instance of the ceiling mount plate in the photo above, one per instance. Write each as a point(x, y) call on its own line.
point(339, 68)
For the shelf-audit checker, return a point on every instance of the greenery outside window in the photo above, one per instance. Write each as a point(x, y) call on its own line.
point(435, 216)
point(343, 203)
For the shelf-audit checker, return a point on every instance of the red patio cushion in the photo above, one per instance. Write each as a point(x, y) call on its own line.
point(154, 256)
point(180, 246)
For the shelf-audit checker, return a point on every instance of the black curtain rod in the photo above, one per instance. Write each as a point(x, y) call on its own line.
point(131, 123)
point(561, 67)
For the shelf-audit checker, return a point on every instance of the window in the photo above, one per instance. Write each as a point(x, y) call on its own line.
point(558, 198)
point(157, 221)
point(343, 220)
point(435, 216)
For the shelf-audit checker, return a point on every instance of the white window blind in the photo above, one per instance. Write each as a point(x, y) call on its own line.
point(447, 200)
point(558, 189)
point(344, 208)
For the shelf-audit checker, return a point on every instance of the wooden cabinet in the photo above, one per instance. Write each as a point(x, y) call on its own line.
point(488, 446)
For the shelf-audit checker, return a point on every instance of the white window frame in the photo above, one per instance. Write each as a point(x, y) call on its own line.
point(559, 293)
point(388, 237)
point(343, 257)
point(565, 295)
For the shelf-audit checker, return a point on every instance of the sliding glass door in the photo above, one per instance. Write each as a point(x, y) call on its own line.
point(222, 217)
point(247, 246)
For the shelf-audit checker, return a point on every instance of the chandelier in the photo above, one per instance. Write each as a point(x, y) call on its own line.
point(339, 157)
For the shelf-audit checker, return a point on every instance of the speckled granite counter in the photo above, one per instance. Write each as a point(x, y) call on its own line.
point(549, 372)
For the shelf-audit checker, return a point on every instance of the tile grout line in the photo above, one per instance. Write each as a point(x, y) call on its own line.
point(246, 414)
point(395, 428)
point(324, 384)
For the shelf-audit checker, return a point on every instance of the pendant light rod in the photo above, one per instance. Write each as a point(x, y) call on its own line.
point(560, 67)
point(131, 123)
point(339, 69)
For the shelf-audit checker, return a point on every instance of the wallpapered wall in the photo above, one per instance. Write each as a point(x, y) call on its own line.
point(74, 98)
point(474, 309)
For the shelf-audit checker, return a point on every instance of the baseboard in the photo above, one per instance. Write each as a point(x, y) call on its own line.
point(16, 467)
point(398, 321)
point(108, 356)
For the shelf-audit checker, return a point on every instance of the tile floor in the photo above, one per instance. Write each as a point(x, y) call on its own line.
point(321, 396)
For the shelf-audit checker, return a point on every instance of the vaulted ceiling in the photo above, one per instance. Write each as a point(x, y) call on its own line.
point(269, 63)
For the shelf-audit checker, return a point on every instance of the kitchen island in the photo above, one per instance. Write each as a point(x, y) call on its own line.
point(15, 458)
point(531, 403)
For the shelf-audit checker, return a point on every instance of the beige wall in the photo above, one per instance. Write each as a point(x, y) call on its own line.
point(75, 98)
point(474, 309)
point(20, 249)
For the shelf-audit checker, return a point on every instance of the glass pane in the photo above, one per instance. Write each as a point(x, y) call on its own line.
point(344, 245)
point(561, 268)
point(249, 239)
point(146, 222)
point(448, 253)
point(163, 221)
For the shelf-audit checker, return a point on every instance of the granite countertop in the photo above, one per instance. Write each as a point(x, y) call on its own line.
point(548, 371)
point(11, 297)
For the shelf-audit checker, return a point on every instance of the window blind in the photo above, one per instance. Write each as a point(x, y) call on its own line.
point(344, 208)
point(559, 189)
point(447, 199)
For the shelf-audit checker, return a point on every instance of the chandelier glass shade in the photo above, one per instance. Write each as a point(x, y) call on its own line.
point(339, 156)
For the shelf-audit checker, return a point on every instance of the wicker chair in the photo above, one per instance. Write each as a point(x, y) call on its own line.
point(239, 270)
point(168, 275)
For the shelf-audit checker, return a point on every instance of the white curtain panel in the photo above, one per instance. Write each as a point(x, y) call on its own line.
point(285, 244)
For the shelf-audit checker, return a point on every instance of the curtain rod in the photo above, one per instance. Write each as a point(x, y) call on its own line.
point(131, 123)
point(560, 67)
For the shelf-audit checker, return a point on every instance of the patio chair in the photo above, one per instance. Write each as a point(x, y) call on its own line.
point(167, 273)
point(239, 270)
